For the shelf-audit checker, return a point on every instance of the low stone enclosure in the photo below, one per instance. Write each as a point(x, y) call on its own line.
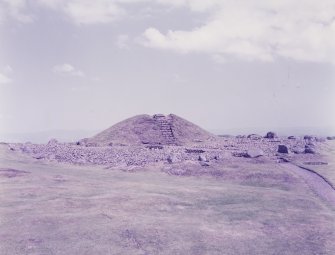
point(141, 155)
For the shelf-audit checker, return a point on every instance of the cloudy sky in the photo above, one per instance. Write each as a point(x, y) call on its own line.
point(229, 66)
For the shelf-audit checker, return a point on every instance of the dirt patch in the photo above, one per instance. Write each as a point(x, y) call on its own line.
point(315, 163)
point(11, 173)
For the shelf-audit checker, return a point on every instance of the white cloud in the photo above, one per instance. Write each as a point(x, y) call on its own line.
point(79, 11)
point(4, 79)
point(14, 9)
point(106, 11)
point(67, 69)
point(93, 12)
point(7, 69)
point(85, 12)
point(122, 42)
point(51, 3)
point(250, 30)
point(255, 30)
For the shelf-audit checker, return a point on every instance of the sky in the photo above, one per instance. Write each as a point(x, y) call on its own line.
point(228, 66)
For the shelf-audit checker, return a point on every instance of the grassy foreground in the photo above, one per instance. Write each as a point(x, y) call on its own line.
point(49, 208)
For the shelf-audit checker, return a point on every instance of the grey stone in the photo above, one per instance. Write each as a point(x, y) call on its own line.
point(297, 149)
point(271, 135)
point(254, 153)
point(310, 149)
point(282, 148)
point(172, 159)
point(254, 137)
point(53, 142)
point(309, 137)
point(194, 151)
point(202, 163)
point(202, 158)
point(320, 139)
point(239, 154)
point(240, 136)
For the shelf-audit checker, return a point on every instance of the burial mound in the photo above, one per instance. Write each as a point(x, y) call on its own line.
point(158, 129)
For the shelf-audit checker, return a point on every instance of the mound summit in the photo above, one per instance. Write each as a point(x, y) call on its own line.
point(158, 129)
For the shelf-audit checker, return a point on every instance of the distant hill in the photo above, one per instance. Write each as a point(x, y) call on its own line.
point(154, 130)
point(45, 136)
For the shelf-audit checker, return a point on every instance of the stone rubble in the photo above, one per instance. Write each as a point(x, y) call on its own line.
point(141, 155)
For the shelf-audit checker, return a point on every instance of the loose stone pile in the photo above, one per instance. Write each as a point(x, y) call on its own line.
point(141, 155)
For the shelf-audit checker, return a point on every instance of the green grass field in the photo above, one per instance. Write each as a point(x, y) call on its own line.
point(49, 208)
